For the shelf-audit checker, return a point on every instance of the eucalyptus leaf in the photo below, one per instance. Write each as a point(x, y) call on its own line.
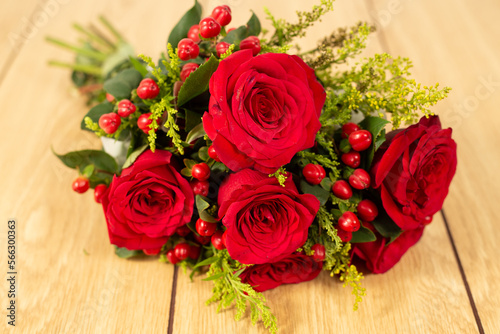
point(192, 17)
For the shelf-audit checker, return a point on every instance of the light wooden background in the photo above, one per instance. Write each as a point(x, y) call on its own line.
point(448, 283)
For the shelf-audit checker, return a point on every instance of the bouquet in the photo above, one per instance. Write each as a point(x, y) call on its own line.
point(239, 156)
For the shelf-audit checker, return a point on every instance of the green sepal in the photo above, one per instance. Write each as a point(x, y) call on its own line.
point(192, 17)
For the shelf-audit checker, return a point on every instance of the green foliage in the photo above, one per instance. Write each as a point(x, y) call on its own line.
point(122, 84)
point(173, 66)
point(229, 52)
point(375, 125)
point(206, 209)
point(229, 290)
point(192, 16)
point(252, 28)
point(125, 253)
point(281, 175)
point(197, 82)
point(81, 159)
point(93, 126)
point(93, 116)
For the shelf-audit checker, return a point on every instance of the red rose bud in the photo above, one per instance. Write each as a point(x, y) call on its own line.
point(152, 251)
point(187, 70)
point(217, 240)
point(80, 185)
point(212, 154)
point(181, 251)
point(126, 108)
point(200, 187)
point(148, 89)
point(367, 210)
point(183, 230)
point(222, 48)
point(360, 179)
point(99, 191)
point(252, 43)
point(360, 140)
point(201, 239)
point(344, 146)
point(222, 14)
point(201, 171)
point(349, 222)
point(209, 27)
point(344, 235)
point(342, 190)
point(351, 159)
point(204, 228)
point(187, 49)
point(194, 33)
point(171, 257)
point(319, 252)
point(110, 122)
point(349, 128)
point(314, 173)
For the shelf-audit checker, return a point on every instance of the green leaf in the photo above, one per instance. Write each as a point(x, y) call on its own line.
point(205, 262)
point(386, 226)
point(81, 159)
point(134, 155)
point(252, 28)
point(139, 66)
point(189, 163)
point(88, 171)
point(192, 17)
point(95, 113)
point(196, 133)
point(326, 184)
point(192, 119)
point(197, 82)
point(203, 153)
point(363, 235)
point(122, 54)
point(203, 204)
point(214, 277)
point(122, 84)
point(375, 125)
point(321, 194)
point(125, 253)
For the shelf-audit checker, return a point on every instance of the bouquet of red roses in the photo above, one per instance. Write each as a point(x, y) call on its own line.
point(233, 154)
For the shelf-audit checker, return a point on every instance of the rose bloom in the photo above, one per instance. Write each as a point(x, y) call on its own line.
point(413, 170)
point(147, 202)
point(295, 268)
point(265, 221)
point(262, 110)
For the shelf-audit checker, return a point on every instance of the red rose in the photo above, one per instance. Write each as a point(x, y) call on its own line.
point(413, 169)
point(263, 110)
point(295, 268)
point(380, 258)
point(147, 202)
point(265, 221)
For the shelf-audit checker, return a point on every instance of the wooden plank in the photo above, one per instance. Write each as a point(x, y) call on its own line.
point(454, 42)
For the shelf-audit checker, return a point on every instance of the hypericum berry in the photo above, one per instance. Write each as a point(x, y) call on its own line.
point(152, 251)
point(252, 43)
point(221, 48)
point(81, 184)
point(200, 187)
point(201, 239)
point(367, 210)
point(349, 128)
point(110, 122)
point(314, 173)
point(171, 257)
point(217, 240)
point(349, 222)
point(222, 14)
point(204, 228)
point(126, 108)
point(144, 121)
point(194, 252)
point(187, 49)
point(344, 235)
point(148, 89)
point(360, 179)
point(194, 33)
point(427, 220)
point(201, 171)
point(212, 154)
point(182, 230)
point(351, 159)
point(187, 70)
point(319, 252)
point(110, 97)
point(181, 251)
point(342, 189)
point(360, 140)
point(99, 191)
point(230, 29)
point(209, 27)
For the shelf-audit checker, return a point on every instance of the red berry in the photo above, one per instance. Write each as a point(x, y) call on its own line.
point(222, 14)
point(209, 27)
point(221, 48)
point(349, 128)
point(110, 97)
point(344, 235)
point(182, 230)
point(200, 187)
point(148, 89)
point(152, 251)
point(427, 220)
point(171, 257)
point(126, 108)
point(99, 191)
point(110, 122)
point(217, 240)
point(341, 189)
point(252, 43)
point(194, 33)
point(81, 184)
point(181, 251)
point(187, 70)
point(360, 140)
point(194, 252)
point(349, 222)
point(319, 252)
point(144, 121)
point(360, 179)
point(201, 171)
point(351, 159)
point(313, 173)
point(201, 239)
point(212, 154)
point(187, 49)
point(367, 210)
point(230, 29)
point(204, 228)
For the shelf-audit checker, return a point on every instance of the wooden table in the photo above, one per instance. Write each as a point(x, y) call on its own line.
point(448, 283)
